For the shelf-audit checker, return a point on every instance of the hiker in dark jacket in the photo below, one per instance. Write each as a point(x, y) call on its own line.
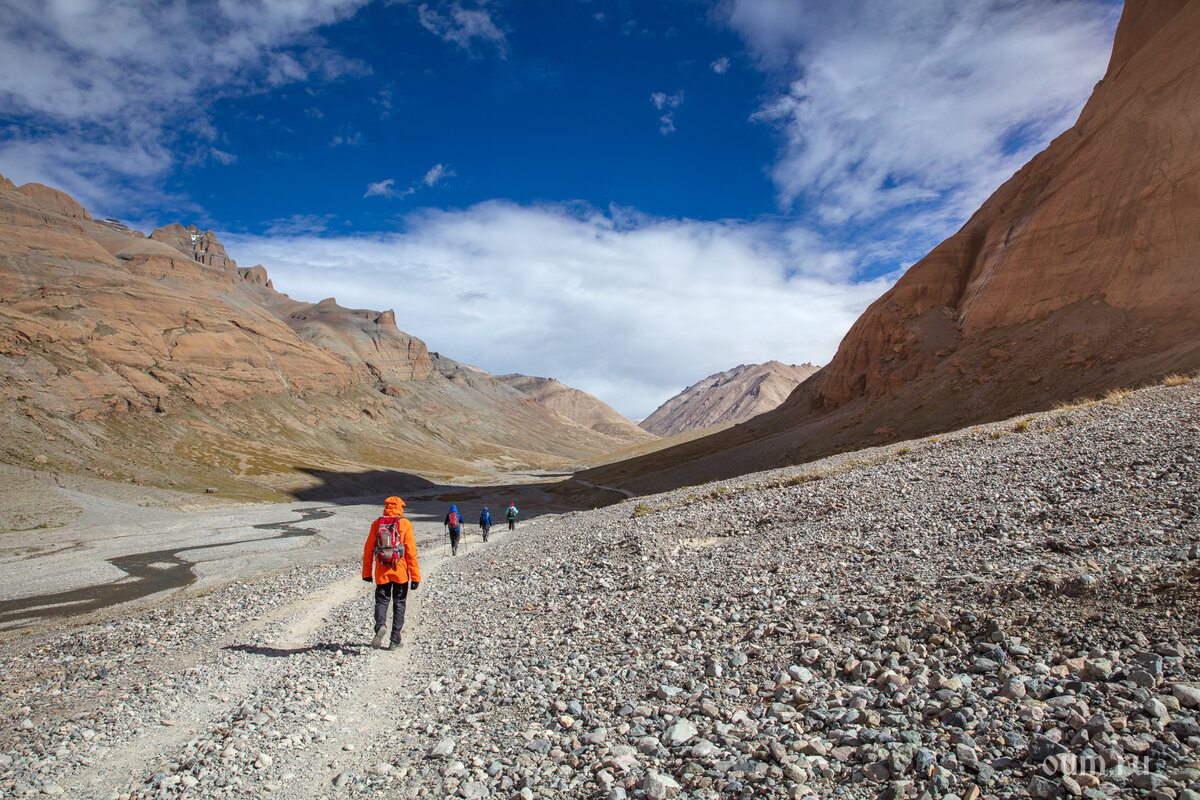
point(454, 526)
point(485, 522)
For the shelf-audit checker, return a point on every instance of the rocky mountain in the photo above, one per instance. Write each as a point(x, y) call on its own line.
point(579, 407)
point(158, 359)
point(734, 395)
point(1076, 276)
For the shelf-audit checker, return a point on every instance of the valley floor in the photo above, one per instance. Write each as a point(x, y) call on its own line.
point(1007, 610)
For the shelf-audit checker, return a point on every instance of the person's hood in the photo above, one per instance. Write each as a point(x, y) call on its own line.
point(393, 507)
point(453, 507)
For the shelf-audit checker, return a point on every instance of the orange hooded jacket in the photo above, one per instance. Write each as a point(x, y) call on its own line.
point(406, 568)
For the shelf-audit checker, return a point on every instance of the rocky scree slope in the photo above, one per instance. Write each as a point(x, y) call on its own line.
point(157, 359)
point(734, 395)
point(1076, 276)
point(1005, 611)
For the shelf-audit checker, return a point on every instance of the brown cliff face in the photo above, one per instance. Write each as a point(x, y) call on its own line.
point(158, 358)
point(1081, 273)
point(1106, 216)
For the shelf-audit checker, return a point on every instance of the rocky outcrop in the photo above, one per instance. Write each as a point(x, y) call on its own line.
point(734, 395)
point(201, 247)
point(1078, 275)
point(579, 407)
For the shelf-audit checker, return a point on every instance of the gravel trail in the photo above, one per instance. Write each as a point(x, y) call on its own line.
point(1010, 610)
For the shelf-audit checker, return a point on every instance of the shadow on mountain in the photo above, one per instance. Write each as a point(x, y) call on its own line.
point(533, 499)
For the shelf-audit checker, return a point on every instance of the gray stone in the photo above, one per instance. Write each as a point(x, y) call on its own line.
point(1188, 695)
point(1097, 669)
point(679, 733)
point(1042, 789)
point(474, 790)
point(659, 787)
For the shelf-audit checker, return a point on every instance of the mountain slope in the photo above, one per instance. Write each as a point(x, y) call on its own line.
point(734, 395)
point(579, 407)
point(158, 359)
point(1079, 274)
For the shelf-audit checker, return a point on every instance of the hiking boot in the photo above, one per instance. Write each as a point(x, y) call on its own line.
point(392, 645)
point(378, 640)
point(453, 551)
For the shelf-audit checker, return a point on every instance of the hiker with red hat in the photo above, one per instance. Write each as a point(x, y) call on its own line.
point(390, 561)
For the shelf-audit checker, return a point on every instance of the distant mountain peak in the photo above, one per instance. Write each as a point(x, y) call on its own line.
point(734, 395)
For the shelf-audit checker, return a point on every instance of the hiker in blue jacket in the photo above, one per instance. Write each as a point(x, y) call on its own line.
point(485, 522)
point(454, 526)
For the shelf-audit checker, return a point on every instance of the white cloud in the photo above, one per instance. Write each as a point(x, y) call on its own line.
point(299, 225)
point(436, 174)
point(627, 307)
point(385, 188)
point(925, 106)
point(462, 26)
point(347, 139)
point(104, 91)
point(663, 100)
point(721, 65)
point(667, 103)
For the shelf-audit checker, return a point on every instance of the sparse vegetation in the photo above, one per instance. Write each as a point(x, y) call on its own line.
point(641, 509)
point(997, 434)
point(1175, 379)
point(903, 451)
point(804, 477)
point(794, 480)
point(1116, 396)
point(1021, 426)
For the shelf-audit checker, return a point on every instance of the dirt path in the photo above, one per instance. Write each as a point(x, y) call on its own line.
point(286, 699)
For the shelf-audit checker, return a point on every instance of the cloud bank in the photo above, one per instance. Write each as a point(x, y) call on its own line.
point(629, 308)
point(100, 96)
point(910, 114)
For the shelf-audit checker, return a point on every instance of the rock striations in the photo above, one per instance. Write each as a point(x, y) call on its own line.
point(1078, 275)
point(735, 395)
point(158, 359)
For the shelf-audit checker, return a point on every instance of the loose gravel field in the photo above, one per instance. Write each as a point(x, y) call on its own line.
point(1011, 610)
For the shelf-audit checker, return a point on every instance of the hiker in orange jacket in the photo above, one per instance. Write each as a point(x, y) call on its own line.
point(394, 559)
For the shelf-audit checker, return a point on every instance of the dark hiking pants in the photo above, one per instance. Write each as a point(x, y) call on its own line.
point(454, 534)
point(397, 594)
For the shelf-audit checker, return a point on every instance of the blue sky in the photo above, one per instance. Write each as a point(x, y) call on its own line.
point(626, 196)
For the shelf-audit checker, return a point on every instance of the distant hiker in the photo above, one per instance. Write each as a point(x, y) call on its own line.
point(511, 515)
point(392, 549)
point(485, 522)
point(454, 526)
